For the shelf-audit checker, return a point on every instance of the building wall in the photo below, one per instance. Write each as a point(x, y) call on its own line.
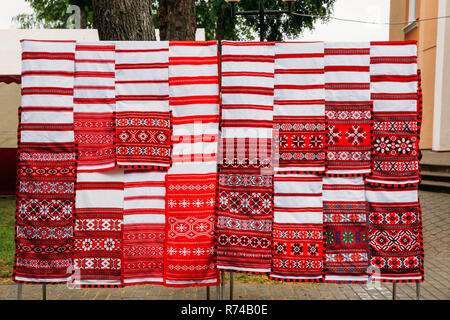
point(425, 34)
point(441, 123)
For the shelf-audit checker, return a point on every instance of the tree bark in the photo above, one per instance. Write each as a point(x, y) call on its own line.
point(124, 19)
point(176, 19)
point(220, 27)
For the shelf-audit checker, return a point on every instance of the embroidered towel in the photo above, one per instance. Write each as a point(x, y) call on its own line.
point(46, 163)
point(98, 226)
point(94, 105)
point(348, 108)
point(345, 225)
point(393, 70)
point(143, 231)
point(299, 107)
point(298, 228)
point(245, 191)
point(143, 115)
point(396, 240)
point(191, 181)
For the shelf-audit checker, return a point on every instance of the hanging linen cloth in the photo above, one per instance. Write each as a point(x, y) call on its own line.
point(191, 181)
point(46, 163)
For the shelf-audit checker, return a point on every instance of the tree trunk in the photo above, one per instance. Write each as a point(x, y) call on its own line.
point(83, 18)
point(124, 19)
point(220, 24)
point(176, 19)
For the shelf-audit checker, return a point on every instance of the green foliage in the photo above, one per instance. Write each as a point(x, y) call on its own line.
point(7, 214)
point(213, 15)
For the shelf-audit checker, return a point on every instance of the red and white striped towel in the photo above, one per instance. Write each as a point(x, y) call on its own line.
point(94, 105)
point(46, 163)
point(299, 107)
point(192, 179)
point(297, 228)
point(348, 108)
point(143, 229)
point(394, 87)
point(143, 115)
point(247, 89)
point(98, 227)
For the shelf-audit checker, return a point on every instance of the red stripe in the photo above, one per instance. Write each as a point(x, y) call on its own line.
point(140, 50)
point(126, 66)
point(94, 100)
point(194, 138)
point(393, 78)
point(319, 194)
point(173, 81)
point(46, 109)
point(247, 90)
point(303, 209)
point(94, 87)
point(299, 102)
point(347, 68)
point(247, 74)
point(299, 71)
point(142, 81)
point(192, 60)
point(299, 55)
point(192, 43)
point(255, 43)
point(48, 73)
point(81, 47)
point(246, 106)
point(247, 58)
point(304, 87)
point(94, 61)
point(177, 101)
point(347, 51)
point(198, 118)
point(95, 74)
point(247, 123)
point(143, 197)
point(392, 43)
point(142, 97)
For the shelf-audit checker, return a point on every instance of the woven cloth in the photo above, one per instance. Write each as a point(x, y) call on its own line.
point(299, 107)
point(94, 105)
point(98, 226)
point(192, 179)
point(46, 163)
point(396, 240)
point(348, 108)
point(143, 229)
point(393, 71)
point(298, 228)
point(143, 115)
point(345, 226)
point(245, 190)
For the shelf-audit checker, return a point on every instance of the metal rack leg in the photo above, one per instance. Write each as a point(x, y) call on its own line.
point(19, 291)
point(418, 290)
point(208, 293)
point(44, 291)
point(231, 286)
point(394, 291)
point(218, 288)
point(222, 285)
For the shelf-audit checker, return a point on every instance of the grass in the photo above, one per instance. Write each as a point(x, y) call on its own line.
point(7, 216)
point(7, 213)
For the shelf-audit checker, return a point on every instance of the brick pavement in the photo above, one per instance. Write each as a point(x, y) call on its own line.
point(436, 219)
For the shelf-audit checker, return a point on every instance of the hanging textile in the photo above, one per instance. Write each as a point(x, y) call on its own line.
point(298, 228)
point(393, 70)
point(46, 163)
point(94, 105)
point(245, 191)
point(345, 226)
point(98, 226)
point(299, 116)
point(143, 230)
point(396, 240)
point(191, 181)
point(299, 107)
point(143, 115)
point(348, 108)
